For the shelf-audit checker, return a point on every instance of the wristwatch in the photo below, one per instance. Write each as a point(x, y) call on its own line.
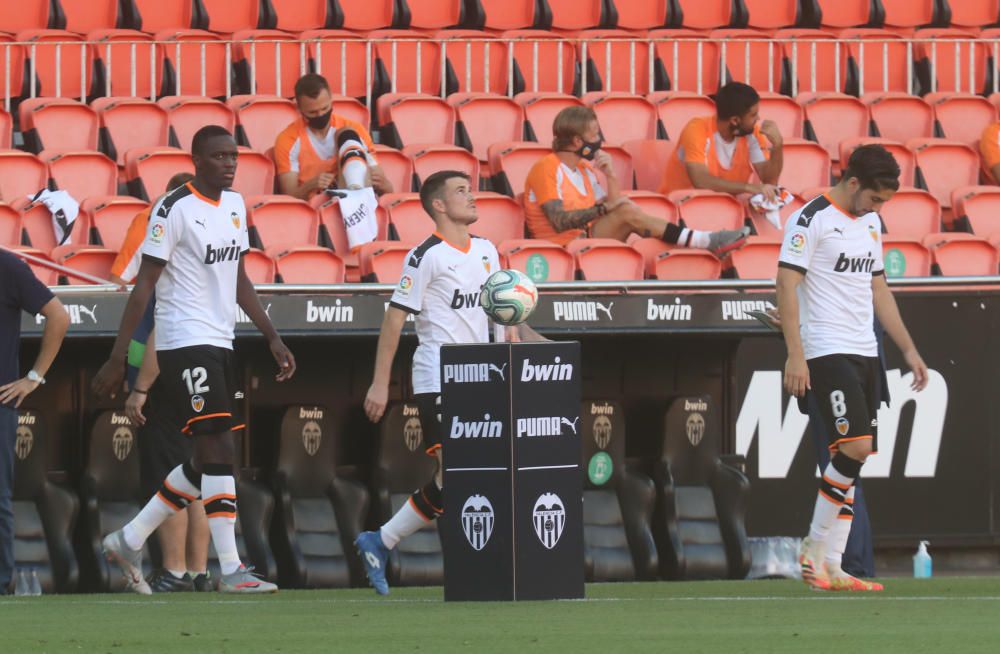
point(35, 377)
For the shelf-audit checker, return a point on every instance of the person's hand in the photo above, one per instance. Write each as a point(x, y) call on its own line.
point(284, 358)
point(769, 191)
point(770, 131)
point(375, 401)
point(775, 316)
point(918, 368)
point(603, 163)
point(108, 380)
point(797, 376)
point(133, 408)
point(16, 391)
point(621, 200)
point(379, 181)
point(323, 181)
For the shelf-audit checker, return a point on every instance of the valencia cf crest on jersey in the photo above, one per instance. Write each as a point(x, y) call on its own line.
point(236, 219)
point(873, 233)
point(197, 403)
point(486, 263)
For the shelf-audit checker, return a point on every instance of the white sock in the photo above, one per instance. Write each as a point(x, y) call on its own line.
point(176, 573)
point(839, 533)
point(219, 492)
point(829, 500)
point(698, 238)
point(406, 521)
point(174, 492)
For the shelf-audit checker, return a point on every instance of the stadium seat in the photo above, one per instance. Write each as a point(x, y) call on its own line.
point(824, 71)
point(543, 62)
point(268, 62)
point(188, 114)
point(909, 13)
point(259, 119)
point(467, 53)
point(621, 161)
point(653, 204)
point(112, 53)
point(431, 14)
point(128, 123)
point(540, 110)
point(904, 157)
point(953, 61)
point(229, 16)
point(10, 226)
point(615, 61)
point(259, 267)
point(977, 208)
point(28, 14)
point(705, 14)
point(254, 173)
point(110, 217)
point(974, 13)
point(46, 275)
point(911, 213)
point(699, 523)
point(318, 514)
point(282, 222)
point(707, 210)
point(605, 259)
point(845, 13)
point(943, 166)
point(905, 258)
point(333, 234)
point(339, 55)
point(509, 14)
point(11, 67)
point(617, 505)
point(510, 163)
point(784, 112)
point(770, 15)
point(542, 261)
point(958, 254)
point(642, 14)
point(152, 16)
point(36, 221)
point(366, 16)
point(183, 47)
point(429, 159)
point(500, 218)
point(310, 265)
point(750, 57)
point(571, 15)
point(675, 109)
point(680, 264)
point(833, 117)
point(82, 174)
point(407, 216)
point(301, 15)
point(90, 259)
point(396, 55)
point(400, 467)
point(350, 108)
point(415, 119)
point(623, 117)
point(900, 116)
point(758, 259)
point(483, 119)
point(652, 157)
point(44, 513)
point(57, 124)
point(382, 261)
point(147, 170)
point(398, 167)
point(75, 63)
point(21, 174)
point(877, 61)
point(961, 117)
point(83, 16)
point(762, 227)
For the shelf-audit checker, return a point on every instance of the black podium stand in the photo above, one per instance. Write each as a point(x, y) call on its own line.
point(513, 502)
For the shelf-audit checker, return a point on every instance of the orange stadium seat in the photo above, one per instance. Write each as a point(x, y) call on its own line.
point(57, 124)
point(555, 59)
point(36, 222)
point(366, 15)
point(605, 259)
point(90, 259)
point(500, 218)
point(310, 265)
point(382, 261)
point(147, 170)
point(510, 163)
point(877, 60)
point(615, 61)
point(707, 210)
point(651, 249)
point(954, 61)
point(110, 217)
point(75, 67)
point(21, 174)
point(188, 114)
point(509, 14)
point(824, 71)
point(772, 14)
point(268, 62)
point(642, 14)
point(151, 16)
point(428, 159)
point(485, 118)
point(260, 118)
point(979, 208)
point(807, 165)
point(962, 117)
point(758, 259)
point(254, 173)
point(183, 48)
point(542, 261)
point(112, 52)
point(409, 119)
point(12, 60)
point(650, 159)
point(431, 14)
point(282, 222)
point(407, 216)
point(576, 14)
point(909, 13)
point(229, 16)
point(974, 13)
point(339, 55)
point(785, 112)
point(10, 226)
point(944, 166)
point(623, 117)
point(259, 267)
point(705, 14)
point(25, 14)
point(540, 110)
point(350, 108)
point(46, 275)
point(955, 254)
point(621, 161)
point(750, 57)
point(396, 56)
point(845, 13)
point(833, 117)
point(905, 258)
point(900, 116)
point(82, 174)
point(911, 213)
point(301, 15)
point(467, 54)
point(763, 229)
point(128, 123)
point(653, 204)
point(675, 109)
point(83, 16)
point(397, 167)
point(680, 264)
point(904, 157)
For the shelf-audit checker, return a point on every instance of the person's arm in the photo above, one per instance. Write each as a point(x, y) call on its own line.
point(769, 171)
point(796, 369)
point(888, 314)
point(701, 178)
point(996, 172)
point(288, 184)
point(149, 370)
point(246, 296)
point(56, 324)
point(388, 342)
point(380, 182)
point(523, 333)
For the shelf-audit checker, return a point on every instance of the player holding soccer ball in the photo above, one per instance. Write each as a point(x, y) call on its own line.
point(440, 286)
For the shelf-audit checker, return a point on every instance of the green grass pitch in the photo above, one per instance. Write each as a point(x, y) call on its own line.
point(951, 615)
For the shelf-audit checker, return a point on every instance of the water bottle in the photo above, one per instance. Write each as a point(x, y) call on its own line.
point(22, 583)
point(35, 585)
point(922, 568)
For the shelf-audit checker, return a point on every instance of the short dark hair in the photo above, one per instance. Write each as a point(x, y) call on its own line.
point(179, 180)
point(734, 100)
point(310, 85)
point(874, 167)
point(206, 133)
point(432, 187)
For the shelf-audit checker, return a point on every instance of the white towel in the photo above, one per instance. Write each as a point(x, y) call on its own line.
point(771, 209)
point(358, 210)
point(64, 210)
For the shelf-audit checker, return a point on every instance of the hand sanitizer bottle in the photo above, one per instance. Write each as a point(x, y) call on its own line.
point(922, 567)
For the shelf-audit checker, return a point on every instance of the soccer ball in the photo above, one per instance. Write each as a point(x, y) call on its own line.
point(508, 297)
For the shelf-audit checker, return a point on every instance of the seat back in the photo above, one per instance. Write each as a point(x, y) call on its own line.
point(815, 61)
point(758, 259)
point(429, 159)
point(188, 114)
point(10, 226)
point(259, 266)
point(63, 65)
point(679, 264)
point(228, 16)
point(511, 163)
point(771, 14)
point(414, 119)
point(833, 117)
point(267, 62)
point(282, 222)
point(82, 174)
point(541, 109)
point(119, 68)
point(90, 259)
point(58, 124)
point(980, 206)
point(398, 167)
point(652, 156)
point(552, 70)
point(509, 14)
point(844, 13)
point(749, 59)
point(962, 254)
point(111, 216)
point(808, 166)
point(602, 259)
point(30, 14)
point(962, 117)
point(148, 170)
point(82, 16)
point(382, 261)
point(675, 109)
point(877, 61)
point(259, 119)
point(911, 214)
point(21, 174)
point(128, 123)
point(301, 15)
point(642, 14)
point(905, 258)
point(542, 261)
point(944, 166)
point(407, 216)
point(310, 265)
point(708, 210)
point(151, 16)
point(978, 13)
point(467, 53)
point(500, 218)
point(710, 14)
point(784, 112)
point(396, 55)
point(483, 119)
point(623, 117)
point(254, 174)
point(185, 72)
point(615, 61)
point(678, 53)
point(900, 116)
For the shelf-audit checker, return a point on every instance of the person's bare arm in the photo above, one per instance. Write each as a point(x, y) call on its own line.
point(888, 314)
point(246, 296)
point(562, 219)
point(388, 342)
point(149, 370)
point(796, 370)
point(380, 181)
point(769, 171)
point(700, 177)
point(288, 184)
point(56, 324)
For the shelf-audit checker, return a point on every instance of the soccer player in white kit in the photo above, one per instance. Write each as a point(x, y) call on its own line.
point(193, 256)
point(440, 287)
point(830, 279)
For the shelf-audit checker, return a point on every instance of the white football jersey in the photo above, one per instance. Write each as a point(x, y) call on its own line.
point(838, 254)
point(200, 241)
point(440, 284)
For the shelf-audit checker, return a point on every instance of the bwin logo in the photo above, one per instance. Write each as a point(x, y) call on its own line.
point(477, 521)
point(854, 264)
point(484, 428)
point(472, 373)
point(464, 300)
point(219, 255)
point(557, 371)
point(546, 426)
point(549, 519)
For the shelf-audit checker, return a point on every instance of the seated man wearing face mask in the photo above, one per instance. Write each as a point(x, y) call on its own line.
point(322, 150)
point(563, 199)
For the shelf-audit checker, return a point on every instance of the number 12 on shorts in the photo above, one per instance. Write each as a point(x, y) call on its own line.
point(195, 379)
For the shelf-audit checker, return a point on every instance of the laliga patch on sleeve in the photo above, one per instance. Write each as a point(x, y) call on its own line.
point(405, 284)
point(797, 244)
point(156, 234)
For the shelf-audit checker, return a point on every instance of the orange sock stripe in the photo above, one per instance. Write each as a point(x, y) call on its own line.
point(432, 450)
point(189, 498)
point(843, 487)
point(238, 427)
point(220, 496)
point(221, 514)
point(420, 513)
point(168, 502)
point(845, 517)
point(850, 500)
point(836, 444)
point(837, 502)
